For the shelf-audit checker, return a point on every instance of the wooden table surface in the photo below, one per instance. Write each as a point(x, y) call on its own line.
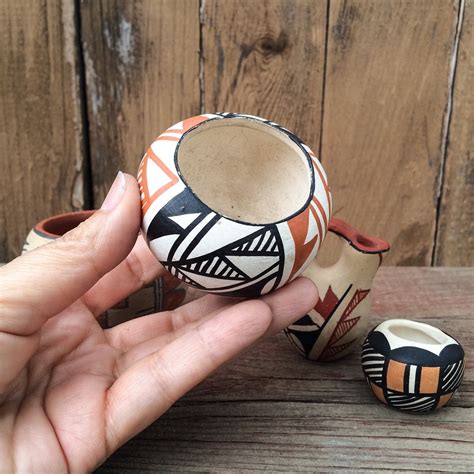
point(273, 410)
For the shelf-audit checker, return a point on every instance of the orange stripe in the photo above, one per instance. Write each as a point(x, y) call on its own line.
point(395, 375)
point(191, 122)
point(148, 201)
point(323, 179)
point(170, 139)
point(188, 123)
point(298, 226)
point(143, 185)
point(321, 209)
point(325, 183)
point(157, 193)
point(316, 218)
point(429, 379)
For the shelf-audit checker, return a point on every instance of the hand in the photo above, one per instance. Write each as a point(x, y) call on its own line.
point(71, 393)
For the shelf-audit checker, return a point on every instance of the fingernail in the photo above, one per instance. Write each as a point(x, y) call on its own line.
point(115, 193)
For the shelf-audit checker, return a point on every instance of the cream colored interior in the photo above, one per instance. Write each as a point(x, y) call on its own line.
point(245, 170)
point(413, 334)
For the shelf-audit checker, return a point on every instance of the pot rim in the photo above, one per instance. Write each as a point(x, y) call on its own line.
point(74, 217)
point(266, 123)
point(442, 338)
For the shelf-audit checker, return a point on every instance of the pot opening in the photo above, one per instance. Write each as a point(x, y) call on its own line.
point(412, 334)
point(59, 225)
point(245, 170)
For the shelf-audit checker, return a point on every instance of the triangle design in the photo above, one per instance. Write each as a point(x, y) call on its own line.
point(312, 229)
point(156, 177)
point(208, 282)
point(222, 234)
point(185, 219)
point(164, 243)
point(253, 265)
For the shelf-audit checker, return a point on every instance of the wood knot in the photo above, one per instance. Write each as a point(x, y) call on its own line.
point(270, 46)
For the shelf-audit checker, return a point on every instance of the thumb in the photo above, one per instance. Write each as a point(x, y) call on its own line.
point(43, 282)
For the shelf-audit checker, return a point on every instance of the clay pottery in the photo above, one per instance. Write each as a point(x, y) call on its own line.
point(339, 320)
point(233, 204)
point(53, 227)
point(162, 294)
point(412, 366)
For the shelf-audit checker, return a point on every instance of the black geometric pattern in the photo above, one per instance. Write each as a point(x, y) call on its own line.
point(452, 376)
point(411, 402)
point(411, 378)
point(372, 363)
point(306, 333)
point(303, 334)
point(231, 268)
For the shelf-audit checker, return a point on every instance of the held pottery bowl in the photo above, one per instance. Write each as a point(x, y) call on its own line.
point(233, 204)
point(412, 366)
point(161, 294)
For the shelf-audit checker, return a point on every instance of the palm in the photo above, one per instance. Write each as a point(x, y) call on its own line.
point(71, 392)
point(62, 395)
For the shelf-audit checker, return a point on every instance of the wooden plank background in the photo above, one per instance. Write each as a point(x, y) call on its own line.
point(455, 242)
point(41, 127)
point(382, 90)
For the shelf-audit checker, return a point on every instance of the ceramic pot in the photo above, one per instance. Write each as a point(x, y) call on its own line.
point(162, 294)
point(339, 321)
point(412, 366)
point(233, 204)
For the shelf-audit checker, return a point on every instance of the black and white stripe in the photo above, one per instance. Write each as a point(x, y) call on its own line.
point(264, 242)
point(216, 267)
point(372, 363)
point(411, 402)
point(452, 376)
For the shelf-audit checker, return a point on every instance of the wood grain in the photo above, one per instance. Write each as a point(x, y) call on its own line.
point(266, 58)
point(41, 158)
point(273, 410)
point(142, 69)
point(387, 85)
point(455, 244)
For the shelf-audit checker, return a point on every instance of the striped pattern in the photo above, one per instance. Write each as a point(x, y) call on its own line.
point(452, 376)
point(167, 179)
point(372, 363)
point(216, 266)
point(411, 402)
point(264, 242)
point(412, 377)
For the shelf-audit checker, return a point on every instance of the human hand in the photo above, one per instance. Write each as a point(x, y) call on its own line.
point(71, 392)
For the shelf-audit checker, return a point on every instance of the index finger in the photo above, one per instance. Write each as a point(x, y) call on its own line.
point(45, 281)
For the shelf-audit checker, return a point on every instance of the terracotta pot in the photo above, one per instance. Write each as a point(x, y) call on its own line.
point(233, 204)
point(412, 366)
point(339, 321)
point(53, 227)
point(162, 294)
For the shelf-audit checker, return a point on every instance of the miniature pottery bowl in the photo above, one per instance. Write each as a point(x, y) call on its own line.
point(53, 227)
point(233, 204)
point(161, 294)
point(412, 366)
